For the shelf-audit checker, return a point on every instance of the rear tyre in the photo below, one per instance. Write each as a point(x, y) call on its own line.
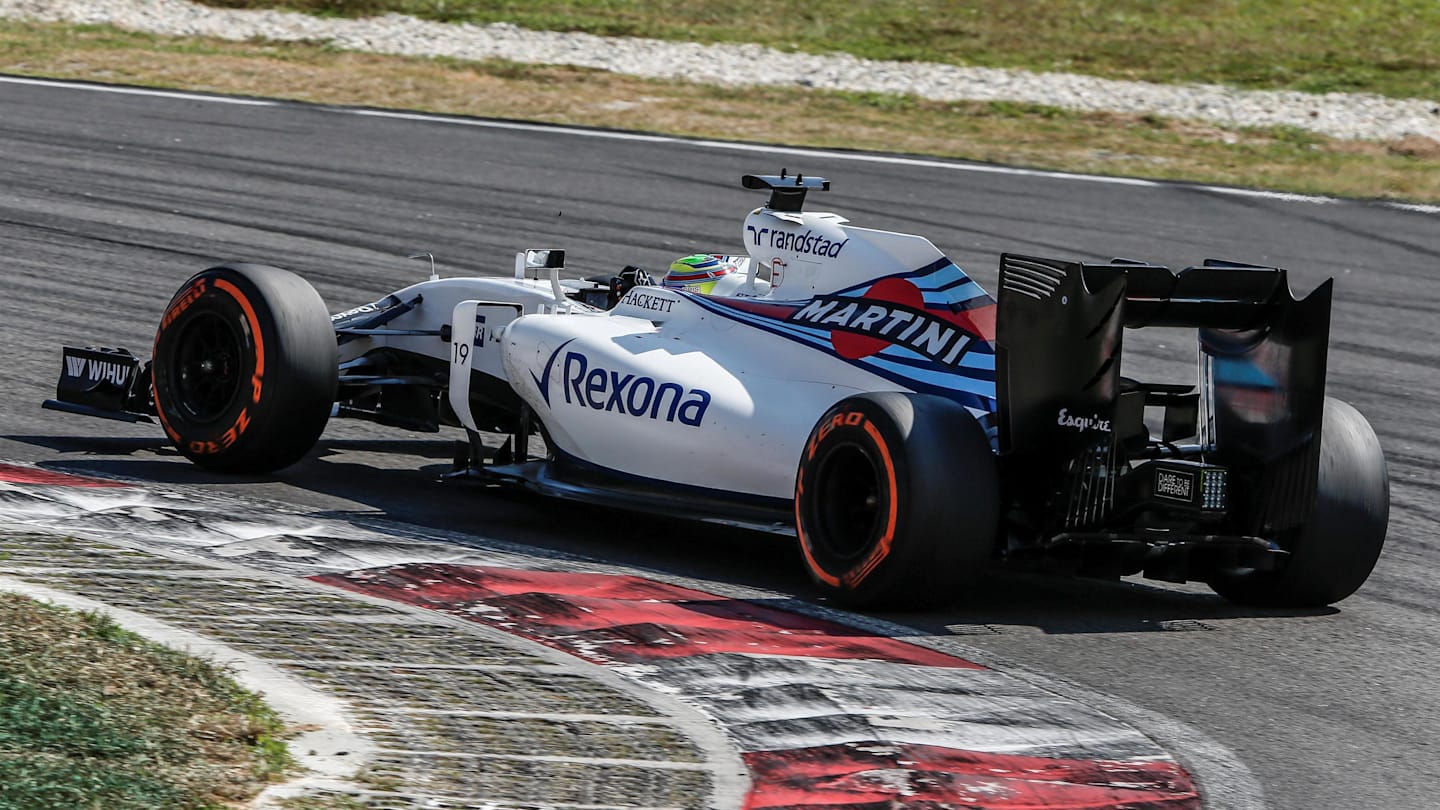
point(1332, 554)
point(245, 368)
point(896, 500)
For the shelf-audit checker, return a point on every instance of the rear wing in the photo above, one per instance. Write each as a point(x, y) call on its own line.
point(1257, 409)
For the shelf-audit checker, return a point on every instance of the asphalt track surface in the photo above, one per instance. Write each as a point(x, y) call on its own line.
point(108, 202)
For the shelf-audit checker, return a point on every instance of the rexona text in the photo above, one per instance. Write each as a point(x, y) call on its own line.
point(808, 243)
point(604, 390)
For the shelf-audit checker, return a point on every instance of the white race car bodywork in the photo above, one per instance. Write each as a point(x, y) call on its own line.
point(693, 399)
point(705, 392)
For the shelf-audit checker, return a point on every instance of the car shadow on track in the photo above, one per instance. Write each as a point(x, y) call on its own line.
point(398, 480)
point(1059, 605)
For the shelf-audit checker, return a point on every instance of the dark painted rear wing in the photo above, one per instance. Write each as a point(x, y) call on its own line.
point(1260, 396)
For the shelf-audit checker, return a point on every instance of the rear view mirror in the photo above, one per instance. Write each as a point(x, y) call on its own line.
point(544, 259)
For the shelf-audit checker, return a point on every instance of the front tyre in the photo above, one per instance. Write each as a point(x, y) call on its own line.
point(245, 368)
point(1332, 554)
point(896, 500)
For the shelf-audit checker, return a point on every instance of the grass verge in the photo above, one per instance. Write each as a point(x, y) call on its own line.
point(94, 716)
point(1391, 47)
point(1015, 134)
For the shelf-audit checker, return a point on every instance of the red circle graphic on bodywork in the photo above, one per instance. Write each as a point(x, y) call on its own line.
point(852, 346)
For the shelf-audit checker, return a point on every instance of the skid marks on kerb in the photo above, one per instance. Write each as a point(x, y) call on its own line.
point(913, 776)
point(824, 714)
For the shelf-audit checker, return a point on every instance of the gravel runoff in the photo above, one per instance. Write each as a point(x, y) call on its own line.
point(1340, 115)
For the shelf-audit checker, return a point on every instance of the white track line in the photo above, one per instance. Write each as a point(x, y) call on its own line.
point(1419, 209)
point(139, 91)
point(860, 157)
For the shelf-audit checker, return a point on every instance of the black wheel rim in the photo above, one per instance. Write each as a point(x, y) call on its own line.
point(848, 502)
point(206, 370)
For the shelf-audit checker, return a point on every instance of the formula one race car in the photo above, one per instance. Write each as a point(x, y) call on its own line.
point(853, 386)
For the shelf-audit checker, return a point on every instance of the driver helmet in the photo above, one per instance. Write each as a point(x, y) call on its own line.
point(697, 273)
